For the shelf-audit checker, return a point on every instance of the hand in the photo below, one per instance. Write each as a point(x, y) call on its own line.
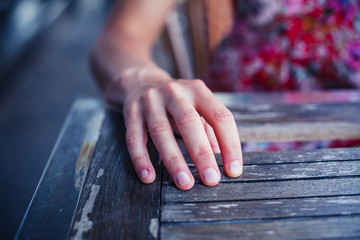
point(163, 106)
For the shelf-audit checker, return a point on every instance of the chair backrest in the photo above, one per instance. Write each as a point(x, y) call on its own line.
point(210, 21)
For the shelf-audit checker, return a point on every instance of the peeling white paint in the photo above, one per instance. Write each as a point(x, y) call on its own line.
point(224, 206)
point(328, 157)
point(189, 204)
point(344, 201)
point(154, 227)
point(100, 173)
point(273, 202)
point(307, 209)
point(85, 223)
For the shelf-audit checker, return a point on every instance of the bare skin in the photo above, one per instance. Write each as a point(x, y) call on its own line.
point(155, 103)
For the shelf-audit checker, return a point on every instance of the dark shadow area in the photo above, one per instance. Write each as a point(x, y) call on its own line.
point(44, 75)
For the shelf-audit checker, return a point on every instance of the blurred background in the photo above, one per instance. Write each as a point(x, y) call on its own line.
point(44, 47)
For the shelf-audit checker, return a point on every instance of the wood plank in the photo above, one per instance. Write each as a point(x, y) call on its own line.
point(263, 209)
point(319, 155)
point(263, 190)
point(328, 96)
point(297, 122)
point(114, 204)
point(299, 113)
point(322, 228)
point(51, 210)
point(285, 172)
point(311, 131)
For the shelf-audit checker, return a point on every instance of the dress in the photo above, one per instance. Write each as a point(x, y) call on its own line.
point(299, 45)
point(289, 45)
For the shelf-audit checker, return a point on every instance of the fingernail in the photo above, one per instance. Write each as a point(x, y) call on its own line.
point(211, 176)
point(235, 168)
point(182, 178)
point(144, 173)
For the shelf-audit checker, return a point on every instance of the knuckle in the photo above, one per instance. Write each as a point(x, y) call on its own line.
point(233, 150)
point(205, 153)
point(131, 109)
point(132, 138)
point(173, 160)
point(149, 95)
point(188, 117)
point(171, 88)
point(223, 115)
point(158, 128)
point(139, 159)
point(198, 83)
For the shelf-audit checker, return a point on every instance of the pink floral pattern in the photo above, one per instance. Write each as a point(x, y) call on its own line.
point(290, 45)
point(297, 45)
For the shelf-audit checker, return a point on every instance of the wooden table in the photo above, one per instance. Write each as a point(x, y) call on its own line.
point(89, 188)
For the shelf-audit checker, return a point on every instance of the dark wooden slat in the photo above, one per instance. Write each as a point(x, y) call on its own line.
point(114, 203)
point(323, 228)
point(51, 210)
point(252, 158)
point(263, 209)
point(286, 171)
point(264, 190)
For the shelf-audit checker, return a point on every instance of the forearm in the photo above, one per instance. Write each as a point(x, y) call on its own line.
point(124, 49)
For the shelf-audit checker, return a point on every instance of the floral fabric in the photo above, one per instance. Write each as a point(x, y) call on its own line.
point(289, 45)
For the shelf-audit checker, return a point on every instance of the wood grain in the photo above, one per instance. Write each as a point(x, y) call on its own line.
point(285, 172)
point(114, 204)
point(297, 122)
point(321, 228)
point(280, 157)
point(264, 190)
point(261, 209)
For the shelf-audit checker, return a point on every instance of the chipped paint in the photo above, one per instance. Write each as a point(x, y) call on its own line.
point(85, 223)
point(154, 227)
point(224, 206)
point(307, 209)
point(93, 128)
point(100, 173)
point(83, 163)
point(344, 201)
point(273, 202)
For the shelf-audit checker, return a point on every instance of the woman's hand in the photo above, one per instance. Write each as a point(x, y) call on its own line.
point(163, 106)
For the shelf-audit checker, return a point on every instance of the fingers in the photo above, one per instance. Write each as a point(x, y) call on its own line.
point(136, 142)
point(191, 128)
point(211, 136)
point(223, 123)
point(163, 137)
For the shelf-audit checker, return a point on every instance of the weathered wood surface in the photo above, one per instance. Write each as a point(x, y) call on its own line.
point(286, 172)
point(322, 228)
point(114, 204)
point(282, 157)
point(51, 210)
point(298, 122)
point(261, 209)
point(281, 195)
point(264, 190)
point(245, 99)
